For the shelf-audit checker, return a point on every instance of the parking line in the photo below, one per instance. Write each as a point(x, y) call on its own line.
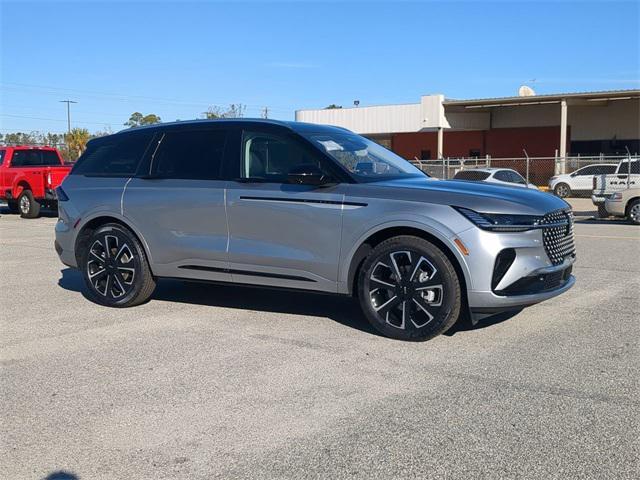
point(608, 236)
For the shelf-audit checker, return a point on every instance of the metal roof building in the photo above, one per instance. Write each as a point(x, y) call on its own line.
point(585, 123)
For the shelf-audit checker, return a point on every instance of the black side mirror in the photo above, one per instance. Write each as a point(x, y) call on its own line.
point(307, 175)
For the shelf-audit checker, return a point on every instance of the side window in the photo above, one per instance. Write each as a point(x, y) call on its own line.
point(517, 178)
point(190, 154)
point(116, 155)
point(21, 158)
point(608, 169)
point(1, 157)
point(271, 157)
point(635, 167)
point(587, 171)
point(503, 176)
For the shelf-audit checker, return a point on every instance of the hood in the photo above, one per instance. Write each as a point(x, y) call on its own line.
point(480, 196)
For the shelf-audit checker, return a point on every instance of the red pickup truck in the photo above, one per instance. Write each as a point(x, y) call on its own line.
point(29, 177)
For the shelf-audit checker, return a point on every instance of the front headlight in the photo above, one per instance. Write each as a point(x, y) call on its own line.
point(498, 222)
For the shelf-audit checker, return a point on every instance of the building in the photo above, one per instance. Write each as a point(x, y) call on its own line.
point(556, 125)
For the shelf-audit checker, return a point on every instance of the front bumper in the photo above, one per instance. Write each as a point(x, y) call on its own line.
point(530, 278)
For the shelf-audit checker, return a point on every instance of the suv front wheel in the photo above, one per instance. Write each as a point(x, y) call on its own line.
point(408, 289)
point(115, 268)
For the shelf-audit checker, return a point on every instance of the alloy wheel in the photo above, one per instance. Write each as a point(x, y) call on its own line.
point(406, 289)
point(634, 213)
point(25, 204)
point(111, 267)
point(562, 191)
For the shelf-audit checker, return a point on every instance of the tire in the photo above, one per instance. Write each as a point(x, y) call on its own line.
point(118, 275)
point(602, 212)
point(405, 309)
point(562, 190)
point(27, 205)
point(13, 206)
point(633, 212)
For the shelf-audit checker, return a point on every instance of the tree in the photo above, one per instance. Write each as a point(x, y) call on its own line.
point(235, 110)
point(76, 141)
point(137, 119)
point(332, 106)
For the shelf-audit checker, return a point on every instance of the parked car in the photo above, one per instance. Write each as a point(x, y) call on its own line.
point(285, 204)
point(627, 175)
point(625, 203)
point(579, 181)
point(28, 178)
point(501, 176)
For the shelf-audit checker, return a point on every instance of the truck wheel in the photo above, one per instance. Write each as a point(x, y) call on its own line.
point(633, 212)
point(408, 289)
point(28, 206)
point(602, 212)
point(13, 206)
point(562, 190)
point(115, 268)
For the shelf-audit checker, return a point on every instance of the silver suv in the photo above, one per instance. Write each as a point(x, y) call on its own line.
point(308, 207)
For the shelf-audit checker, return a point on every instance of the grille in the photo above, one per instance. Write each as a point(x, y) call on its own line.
point(558, 236)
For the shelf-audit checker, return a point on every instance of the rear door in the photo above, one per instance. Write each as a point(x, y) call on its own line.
point(583, 179)
point(178, 202)
point(280, 233)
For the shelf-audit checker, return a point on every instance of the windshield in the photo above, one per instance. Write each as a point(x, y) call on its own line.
point(364, 159)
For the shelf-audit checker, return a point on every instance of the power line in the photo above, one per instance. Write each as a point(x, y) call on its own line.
point(68, 102)
point(127, 98)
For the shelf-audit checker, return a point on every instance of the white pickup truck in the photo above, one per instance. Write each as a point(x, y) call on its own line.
point(627, 175)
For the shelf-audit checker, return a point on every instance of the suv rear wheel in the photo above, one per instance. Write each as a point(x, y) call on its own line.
point(633, 212)
point(408, 289)
point(115, 268)
point(27, 205)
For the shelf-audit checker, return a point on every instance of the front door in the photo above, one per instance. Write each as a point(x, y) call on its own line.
point(280, 233)
point(180, 204)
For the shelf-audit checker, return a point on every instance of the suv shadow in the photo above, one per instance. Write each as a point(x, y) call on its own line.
point(341, 309)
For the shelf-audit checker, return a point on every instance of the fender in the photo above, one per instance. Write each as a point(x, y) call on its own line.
point(418, 222)
point(20, 183)
point(122, 219)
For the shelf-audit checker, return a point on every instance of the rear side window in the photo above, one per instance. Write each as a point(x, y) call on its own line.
point(1, 157)
point(607, 169)
point(471, 175)
point(34, 158)
point(504, 176)
point(190, 154)
point(113, 156)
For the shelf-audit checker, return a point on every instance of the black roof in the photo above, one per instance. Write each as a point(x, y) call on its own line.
point(295, 126)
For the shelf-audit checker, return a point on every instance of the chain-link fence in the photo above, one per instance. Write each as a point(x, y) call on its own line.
point(536, 170)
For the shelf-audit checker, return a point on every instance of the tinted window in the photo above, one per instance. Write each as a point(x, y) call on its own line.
point(516, 178)
point(271, 157)
point(635, 167)
point(587, 171)
point(190, 154)
point(605, 169)
point(1, 157)
point(115, 155)
point(34, 158)
point(503, 175)
point(471, 175)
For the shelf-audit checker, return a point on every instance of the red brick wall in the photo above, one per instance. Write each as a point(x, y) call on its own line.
point(498, 142)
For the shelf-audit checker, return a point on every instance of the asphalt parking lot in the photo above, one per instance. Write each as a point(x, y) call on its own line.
point(224, 382)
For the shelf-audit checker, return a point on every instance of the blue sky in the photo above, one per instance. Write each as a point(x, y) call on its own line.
point(177, 58)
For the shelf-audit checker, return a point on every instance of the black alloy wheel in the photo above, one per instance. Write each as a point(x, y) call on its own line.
point(409, 289)
point(115, 268)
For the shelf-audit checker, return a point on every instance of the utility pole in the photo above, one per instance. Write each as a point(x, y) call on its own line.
point(265, 112)
point(68, 102)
